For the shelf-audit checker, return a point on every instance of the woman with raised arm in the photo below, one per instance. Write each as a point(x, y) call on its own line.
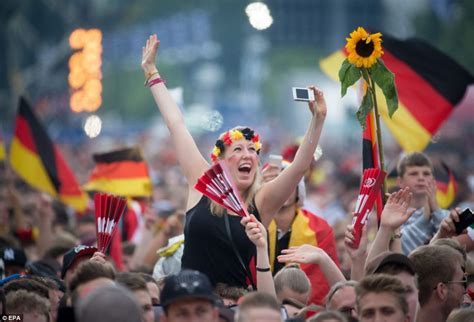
point(215, 242)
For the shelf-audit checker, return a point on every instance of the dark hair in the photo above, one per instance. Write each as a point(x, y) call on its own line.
point(418, 159)
point(433, 264)
point(454, 244)
point(233, 293)
point(22, 301)
point(88, 271)
point(27, 284)
point(132, 281)
point(382, 283)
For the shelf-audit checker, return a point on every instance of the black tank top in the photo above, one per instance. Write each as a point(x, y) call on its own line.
point(207, 247)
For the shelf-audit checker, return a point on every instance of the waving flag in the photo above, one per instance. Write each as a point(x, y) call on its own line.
point(446, 185)
point(122, 172)
point(429, 83)
point(38, 161)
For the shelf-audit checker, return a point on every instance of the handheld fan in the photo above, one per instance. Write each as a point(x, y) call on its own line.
point(108, 211)
point(372, 180)
point(216, 184)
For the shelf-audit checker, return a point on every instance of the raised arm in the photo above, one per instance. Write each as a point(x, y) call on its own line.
point(257, 233)
point(395, 213)
point(308, 254)
point(274, 193)
point(192, 163)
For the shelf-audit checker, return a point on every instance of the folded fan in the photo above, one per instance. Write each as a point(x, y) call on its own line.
point(108, 211)
point(216, 184)
point(370, 186)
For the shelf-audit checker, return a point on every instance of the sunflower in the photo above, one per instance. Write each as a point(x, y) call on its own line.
point(364, 48)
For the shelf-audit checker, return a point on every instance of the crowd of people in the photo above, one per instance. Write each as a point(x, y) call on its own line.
point(294, 258)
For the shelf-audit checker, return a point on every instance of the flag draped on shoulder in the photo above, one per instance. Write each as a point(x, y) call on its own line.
point(38, 161)
point(429, 83)
point(122, 172)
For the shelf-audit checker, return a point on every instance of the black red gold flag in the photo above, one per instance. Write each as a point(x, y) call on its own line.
point(38, 161)
point(429, 83)
point(122, 172)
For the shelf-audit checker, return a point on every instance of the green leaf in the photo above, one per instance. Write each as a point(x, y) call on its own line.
point(348, 75)
point(385, 79)
point(364, 109)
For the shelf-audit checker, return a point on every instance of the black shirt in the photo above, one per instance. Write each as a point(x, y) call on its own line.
point(208, 249)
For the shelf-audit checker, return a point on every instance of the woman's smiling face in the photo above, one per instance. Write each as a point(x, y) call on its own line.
point(242, 159)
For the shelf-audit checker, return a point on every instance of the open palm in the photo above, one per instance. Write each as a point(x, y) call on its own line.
point(396, 211)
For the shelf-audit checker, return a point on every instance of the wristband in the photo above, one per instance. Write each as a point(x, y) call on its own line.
point(155, 81)
point(263, 269)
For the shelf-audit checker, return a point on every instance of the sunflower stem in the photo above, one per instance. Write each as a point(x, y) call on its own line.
point(379, 136)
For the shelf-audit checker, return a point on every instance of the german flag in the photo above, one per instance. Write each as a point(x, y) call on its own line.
point(446, 185)
point(370, 155)
point(38, 161)
point(429, 83)
point(123, 172)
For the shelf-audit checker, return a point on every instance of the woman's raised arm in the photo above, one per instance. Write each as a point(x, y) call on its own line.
point(274, 193)
point(192, 163)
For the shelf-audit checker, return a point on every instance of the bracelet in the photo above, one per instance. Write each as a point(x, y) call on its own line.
point(396, 236)
point(263, 269)
point(155, 81)
point(148, 76)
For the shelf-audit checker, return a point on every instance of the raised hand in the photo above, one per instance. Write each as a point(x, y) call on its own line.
point(149, 55)
point(396, 211)
point(270, 172)
point(431, 195)
point(318, 106)
point(255, 231)
point(304, 254)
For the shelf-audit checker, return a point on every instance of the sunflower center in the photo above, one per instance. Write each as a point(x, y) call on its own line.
point(364, 49)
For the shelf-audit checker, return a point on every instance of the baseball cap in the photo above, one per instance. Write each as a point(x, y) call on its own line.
point(75, 253)
point(187, 284)
point(13, 256)
point(390, 258)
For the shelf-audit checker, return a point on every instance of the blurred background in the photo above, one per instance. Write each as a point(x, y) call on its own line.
point(226, 62)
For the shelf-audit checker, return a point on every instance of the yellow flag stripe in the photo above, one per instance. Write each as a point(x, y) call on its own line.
point(122, 187)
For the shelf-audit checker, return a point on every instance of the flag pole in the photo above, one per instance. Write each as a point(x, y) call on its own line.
point(379, 136)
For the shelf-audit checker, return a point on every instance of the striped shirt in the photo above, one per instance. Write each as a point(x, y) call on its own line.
point(418, 230)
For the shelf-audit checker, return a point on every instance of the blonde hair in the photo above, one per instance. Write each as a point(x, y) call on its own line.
point(248, 195)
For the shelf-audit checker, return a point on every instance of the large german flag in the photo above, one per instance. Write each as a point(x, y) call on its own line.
point(122, 172)
point(38, 161)
point(429, 83)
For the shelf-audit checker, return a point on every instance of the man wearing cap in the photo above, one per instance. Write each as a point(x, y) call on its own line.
point(188, 296)
point(14, 260)
point(403, 269)
point(73, 258)
point(295, 226)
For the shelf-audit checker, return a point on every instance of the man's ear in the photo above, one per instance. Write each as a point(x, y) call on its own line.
point(400, 182)
point(441, 291)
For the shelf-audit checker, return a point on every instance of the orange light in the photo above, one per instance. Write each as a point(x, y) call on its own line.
point(77, 39)
point(84, 70)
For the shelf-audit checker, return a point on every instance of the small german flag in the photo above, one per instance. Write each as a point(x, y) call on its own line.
point(446, 185)
point(38, 161)
point(370, 155)
point(429, 83)
point(122, 172)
